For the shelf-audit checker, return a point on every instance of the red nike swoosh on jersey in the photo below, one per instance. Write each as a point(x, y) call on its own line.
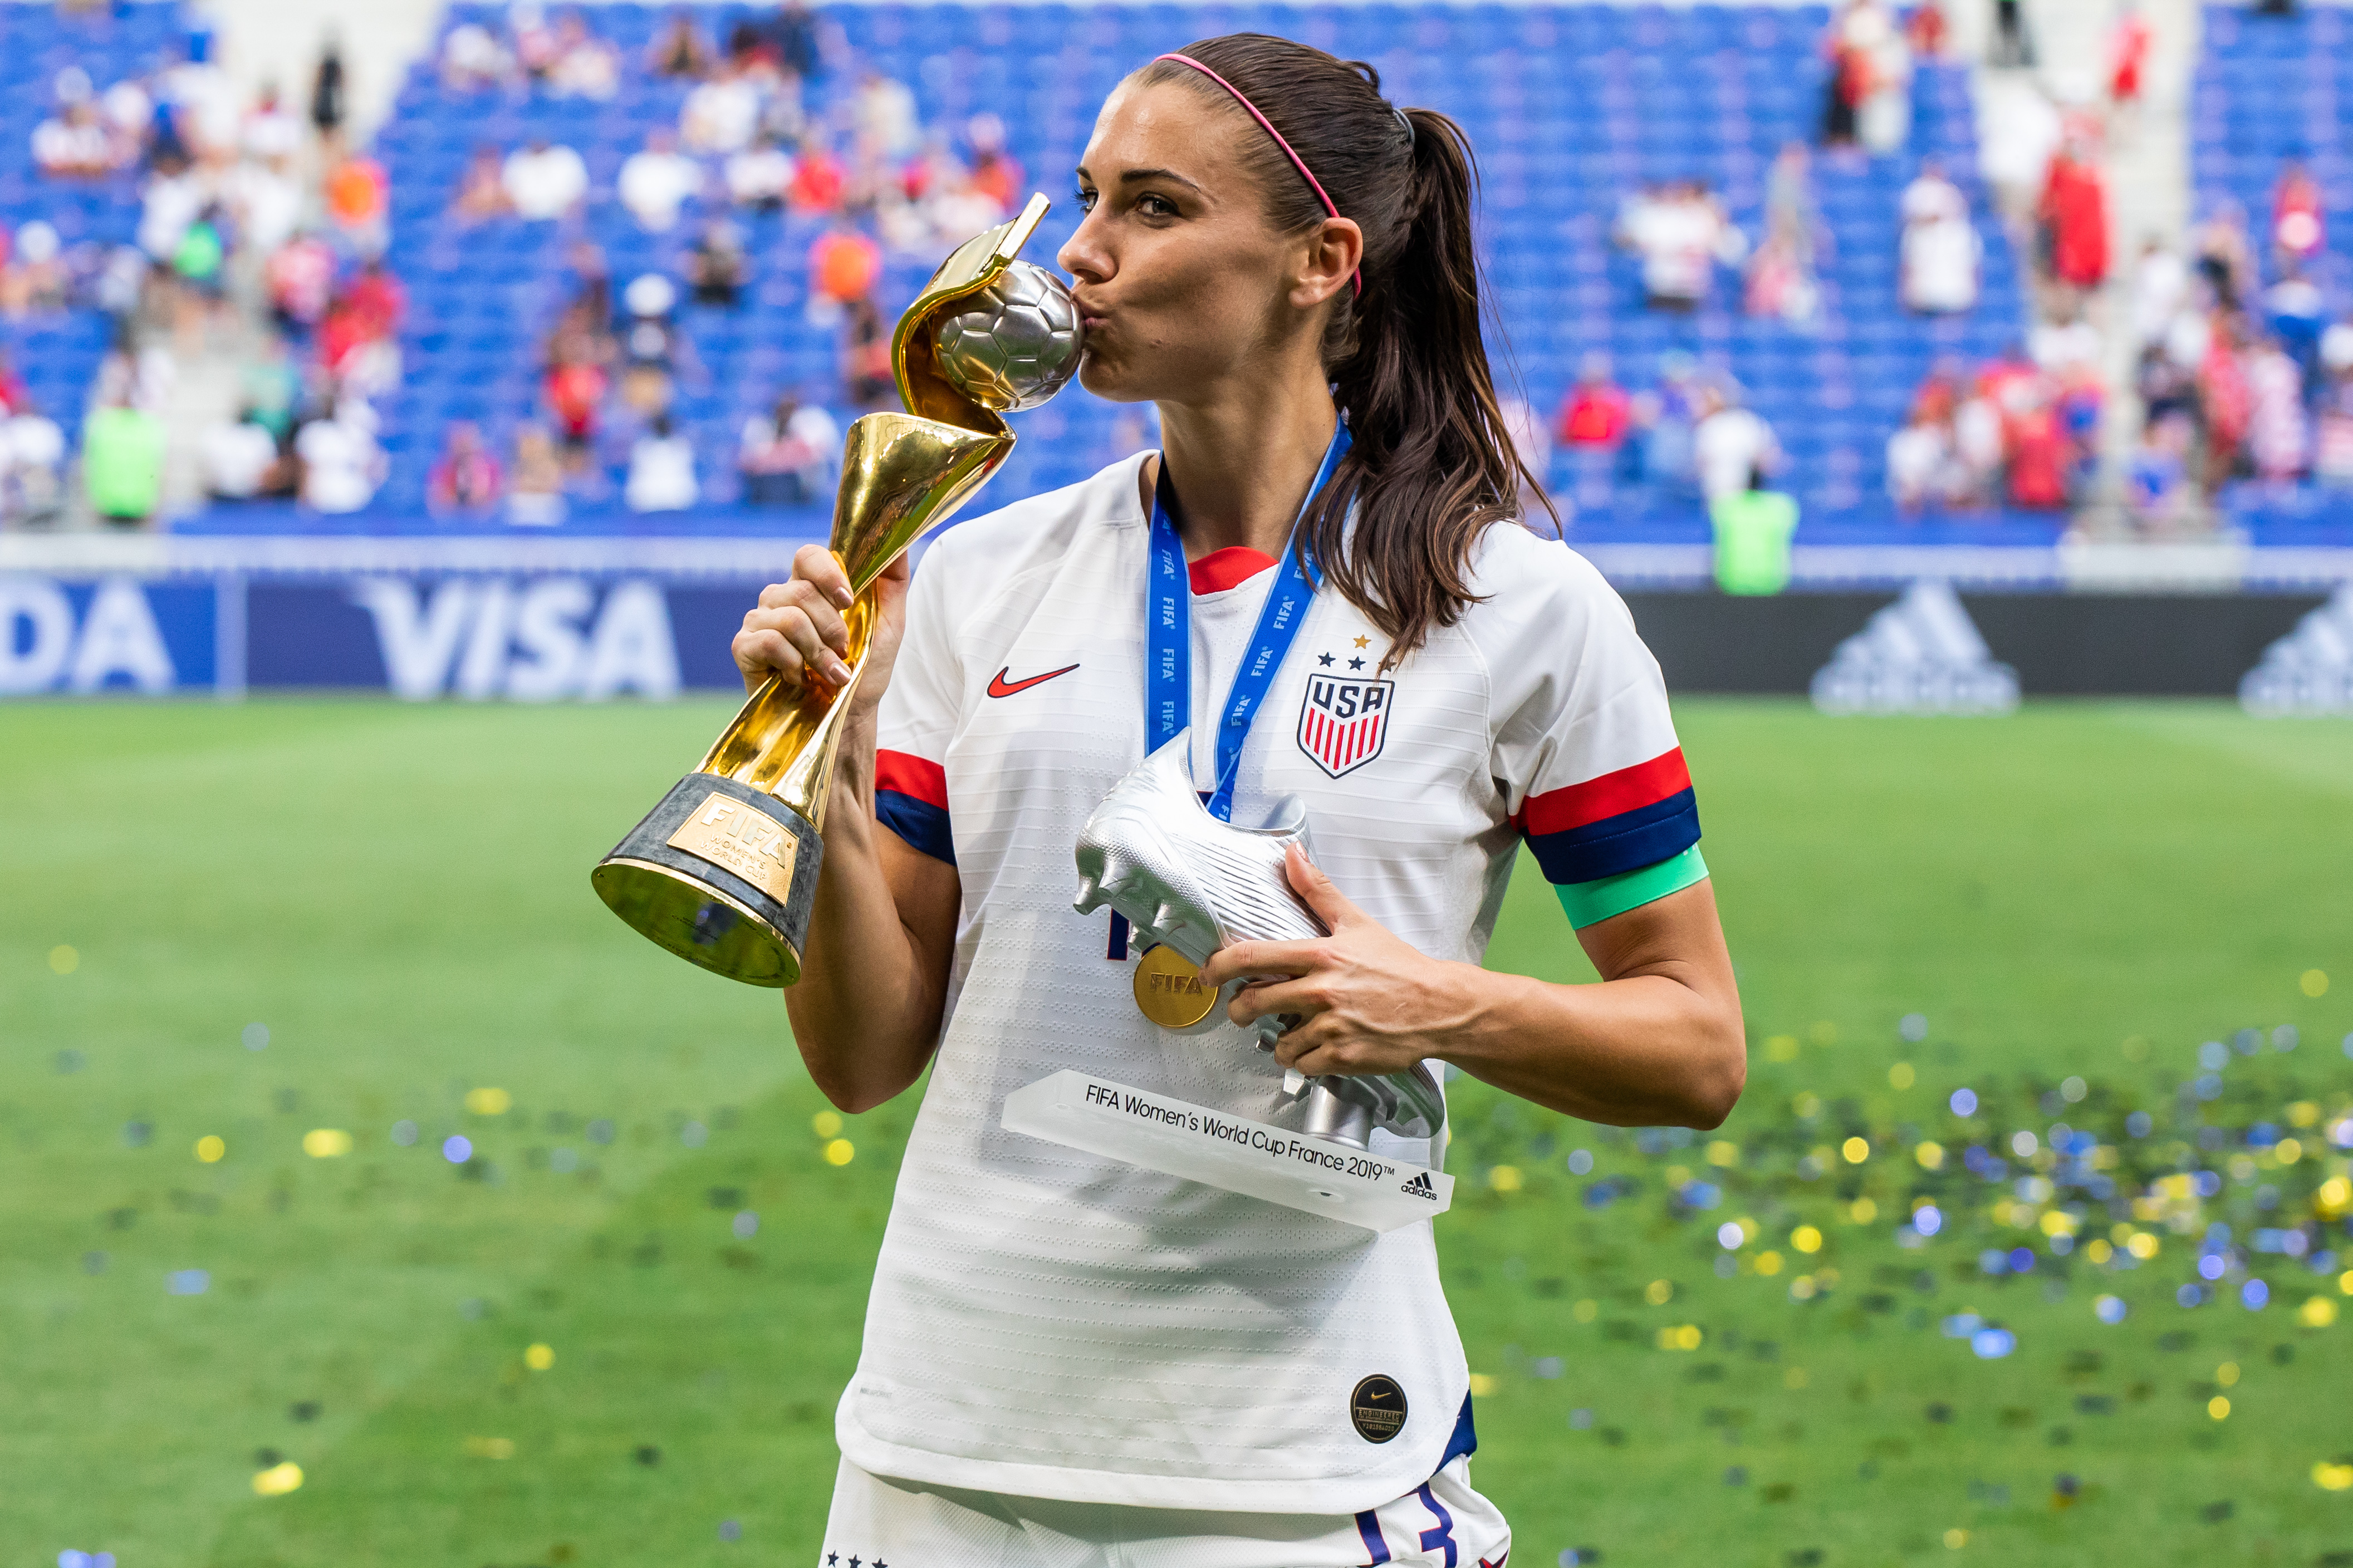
point(1001, 687)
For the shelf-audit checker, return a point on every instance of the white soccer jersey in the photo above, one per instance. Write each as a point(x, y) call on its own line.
point(1054, 1324)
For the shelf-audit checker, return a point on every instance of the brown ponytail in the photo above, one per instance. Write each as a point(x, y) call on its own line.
point(1432, 464)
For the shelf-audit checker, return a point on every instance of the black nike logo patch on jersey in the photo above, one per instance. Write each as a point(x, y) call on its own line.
point(1001, 687)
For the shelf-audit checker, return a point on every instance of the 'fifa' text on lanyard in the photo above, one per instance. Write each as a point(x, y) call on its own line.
point(1168, 641)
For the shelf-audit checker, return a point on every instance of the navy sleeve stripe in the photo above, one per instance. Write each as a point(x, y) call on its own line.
point(923, 826)
point(1673, 806)
point(1631, 841)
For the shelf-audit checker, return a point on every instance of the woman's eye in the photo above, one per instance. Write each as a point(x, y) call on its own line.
point(1157, 206)
point(1086, 201)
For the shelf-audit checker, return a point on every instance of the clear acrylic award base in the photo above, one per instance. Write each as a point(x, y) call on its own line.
point(1079, 1110)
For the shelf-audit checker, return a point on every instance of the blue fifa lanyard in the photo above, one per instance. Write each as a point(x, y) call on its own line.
point(1168, 638)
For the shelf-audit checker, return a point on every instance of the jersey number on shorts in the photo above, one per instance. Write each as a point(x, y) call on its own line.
point(1368, 1525)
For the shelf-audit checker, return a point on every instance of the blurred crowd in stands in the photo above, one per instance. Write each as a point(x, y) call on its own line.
point(745, 142)
point(258, 224)
point(2240, 380)
point(237, 199)
point(2024, 430)
point(263, 231)
point(1689, 437)
point(1690, 434)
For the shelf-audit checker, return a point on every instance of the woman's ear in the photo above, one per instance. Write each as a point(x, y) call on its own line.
point(1327, 261)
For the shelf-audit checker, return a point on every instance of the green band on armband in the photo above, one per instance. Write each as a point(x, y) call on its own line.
point(1591, 903)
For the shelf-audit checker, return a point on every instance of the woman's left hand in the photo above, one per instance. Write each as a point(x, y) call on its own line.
point(1367, 1002)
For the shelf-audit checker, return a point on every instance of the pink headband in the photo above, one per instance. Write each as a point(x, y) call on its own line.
point(1355, 281)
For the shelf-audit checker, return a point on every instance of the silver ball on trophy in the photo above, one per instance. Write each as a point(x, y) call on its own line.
point(1015, 344)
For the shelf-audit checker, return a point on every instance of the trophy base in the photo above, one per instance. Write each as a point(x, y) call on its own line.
point(721, 875)
point(1297, 1170)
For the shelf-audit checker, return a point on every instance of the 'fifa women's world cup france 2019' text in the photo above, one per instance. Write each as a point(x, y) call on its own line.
point(1116, 1101)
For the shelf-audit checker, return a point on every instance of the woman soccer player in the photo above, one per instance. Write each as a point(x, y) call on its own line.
point(1069, 1359)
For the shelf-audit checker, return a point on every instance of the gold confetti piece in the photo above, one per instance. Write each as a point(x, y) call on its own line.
point(2219, 1408)
point(1724, 1152)
point(1680, 1337)
point(1795, 1378)
point(538, 1357)
point(1900, 1076)
point(490, 1448)
point(1768, 1263)
point(1806, 1238)
point(64, 960)
point(2316, 1313)
point(277, 1480)
point(1504, 1178)
point(1482, 1384)
point(488, 1101)
point(1930, 1155)
point(1957, 1539)
point(2331, 1478)
point(1862, 1211)
point(1855, 1151)
point(2227, 1374)
point(839, 1152)
point(826, 1124)
point(326, 1142)
point(1659, 1292)
point(1585, 1311)
point(210, 1148)
point(1782, 1048)
point(2314, 983)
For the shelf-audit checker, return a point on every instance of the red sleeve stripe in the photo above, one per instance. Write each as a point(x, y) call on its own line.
point(905, 773)
point(1628, 789)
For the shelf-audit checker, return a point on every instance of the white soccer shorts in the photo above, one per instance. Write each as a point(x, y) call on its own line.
point(879, 1523)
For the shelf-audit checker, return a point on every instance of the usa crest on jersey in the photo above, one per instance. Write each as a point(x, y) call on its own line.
point(1344, 721)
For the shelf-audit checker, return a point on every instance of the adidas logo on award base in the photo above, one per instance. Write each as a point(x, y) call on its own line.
point(2308, 671)
point(1920, 654)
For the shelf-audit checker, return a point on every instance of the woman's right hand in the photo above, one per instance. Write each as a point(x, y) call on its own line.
point(797, 632)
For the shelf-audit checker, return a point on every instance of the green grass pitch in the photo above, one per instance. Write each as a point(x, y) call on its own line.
point(400, 896)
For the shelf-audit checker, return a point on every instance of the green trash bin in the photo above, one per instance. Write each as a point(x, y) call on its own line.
point(123, 463)
point(1752, 540)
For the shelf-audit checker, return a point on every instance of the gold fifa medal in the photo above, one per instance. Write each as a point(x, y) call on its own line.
point(1168, 989)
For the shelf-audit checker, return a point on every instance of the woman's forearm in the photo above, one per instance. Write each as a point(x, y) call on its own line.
point(1660, 1040)
point(866, 1011)
point(1643, 1050)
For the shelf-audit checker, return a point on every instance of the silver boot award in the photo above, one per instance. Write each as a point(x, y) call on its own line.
point(1191, 884)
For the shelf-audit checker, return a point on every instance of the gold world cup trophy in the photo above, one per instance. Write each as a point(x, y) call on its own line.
point(723, 871)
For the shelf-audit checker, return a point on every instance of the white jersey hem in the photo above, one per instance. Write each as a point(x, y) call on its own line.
point(1336, 1495)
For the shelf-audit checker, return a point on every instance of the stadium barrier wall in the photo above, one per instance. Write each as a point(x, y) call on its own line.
point(590, 619)
point(2059, 645)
